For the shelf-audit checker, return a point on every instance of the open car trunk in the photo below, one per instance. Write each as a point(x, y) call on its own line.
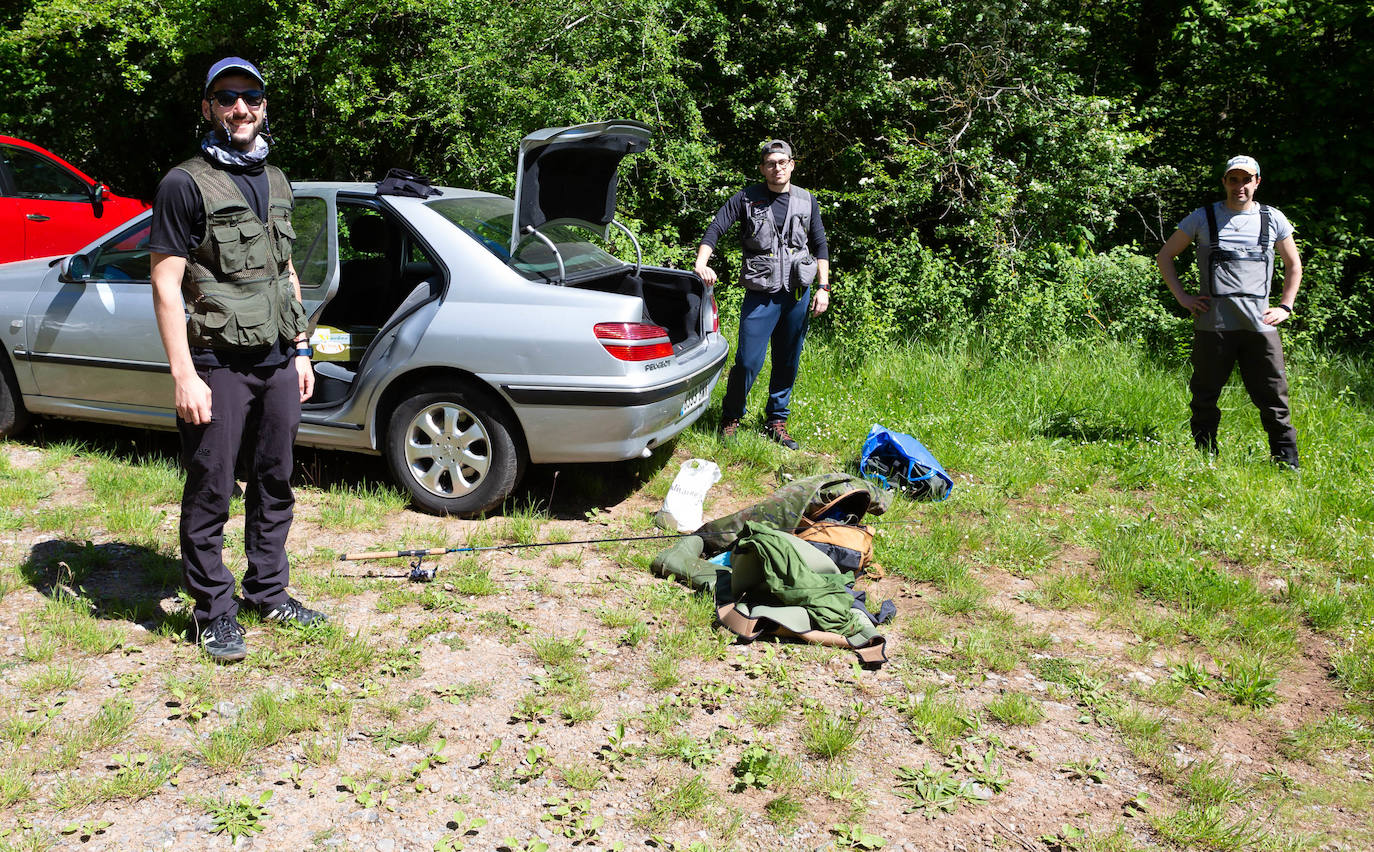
point(672, 299)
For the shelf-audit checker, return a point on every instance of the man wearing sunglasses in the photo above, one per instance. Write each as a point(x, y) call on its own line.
point(229, 312)
point(784, 254)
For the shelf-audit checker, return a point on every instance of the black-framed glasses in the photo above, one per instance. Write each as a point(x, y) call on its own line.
point(777, 164)
point(228, 97)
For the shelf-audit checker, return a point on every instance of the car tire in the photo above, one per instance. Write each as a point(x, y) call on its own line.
point(454, 450)
point(13, 415)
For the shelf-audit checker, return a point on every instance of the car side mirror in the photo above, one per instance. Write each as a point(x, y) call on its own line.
point(74, 268)
point(98, 193)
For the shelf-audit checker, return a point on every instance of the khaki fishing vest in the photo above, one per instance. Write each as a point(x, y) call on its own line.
point(775, 260)
point(237, 284)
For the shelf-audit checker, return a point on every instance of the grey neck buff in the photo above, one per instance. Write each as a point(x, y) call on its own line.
point(214, 148)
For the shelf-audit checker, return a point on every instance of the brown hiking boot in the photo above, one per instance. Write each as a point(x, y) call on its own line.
point(777, 431)
point(728, 428)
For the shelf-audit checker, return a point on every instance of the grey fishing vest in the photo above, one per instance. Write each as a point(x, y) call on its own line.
point(1246, 272)
point(237, 284)
point(776, 261)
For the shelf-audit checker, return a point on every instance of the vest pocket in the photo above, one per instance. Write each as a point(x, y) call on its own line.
point(285, 235)
point(757, 273)
point(293, 320)
point(804, 272)
point(239, 247)
point(234, 321)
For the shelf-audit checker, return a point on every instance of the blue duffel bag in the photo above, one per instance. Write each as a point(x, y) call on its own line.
point(897, 460)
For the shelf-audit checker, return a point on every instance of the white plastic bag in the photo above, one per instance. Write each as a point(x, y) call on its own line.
point(682, 507)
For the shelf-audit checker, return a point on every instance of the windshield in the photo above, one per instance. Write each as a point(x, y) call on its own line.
point(488, 220)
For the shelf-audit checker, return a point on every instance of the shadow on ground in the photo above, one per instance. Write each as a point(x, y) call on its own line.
point(116, 581)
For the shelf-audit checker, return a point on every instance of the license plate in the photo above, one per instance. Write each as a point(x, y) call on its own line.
point(696, 398)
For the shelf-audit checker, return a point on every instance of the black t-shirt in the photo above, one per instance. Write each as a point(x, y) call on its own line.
point(179, 227)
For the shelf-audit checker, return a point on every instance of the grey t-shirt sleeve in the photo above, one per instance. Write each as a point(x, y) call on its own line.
point(1283, 229)
point(1194, 224)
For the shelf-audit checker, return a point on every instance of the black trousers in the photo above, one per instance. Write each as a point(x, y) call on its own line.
point(258, 410)
point(1260, 356)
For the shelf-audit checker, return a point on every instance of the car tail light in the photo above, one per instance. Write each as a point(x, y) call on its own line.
point(634, 341)
point(715, 314)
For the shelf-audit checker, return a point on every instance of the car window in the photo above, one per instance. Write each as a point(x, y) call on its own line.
point(310, 252)
point(488, 220)
point(41, 178)
point(125, 256)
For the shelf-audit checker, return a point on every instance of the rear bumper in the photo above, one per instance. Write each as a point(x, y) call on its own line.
point(608, 424)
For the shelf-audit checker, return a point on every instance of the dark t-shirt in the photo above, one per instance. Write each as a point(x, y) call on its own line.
point(734, 209)
point(179, 226)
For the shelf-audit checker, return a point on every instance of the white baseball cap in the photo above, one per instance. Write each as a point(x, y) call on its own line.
point(1244, 163)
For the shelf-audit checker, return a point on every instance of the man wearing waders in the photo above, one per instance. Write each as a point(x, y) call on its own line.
point(784, 253)
point(1233, 321)
point(229, 311)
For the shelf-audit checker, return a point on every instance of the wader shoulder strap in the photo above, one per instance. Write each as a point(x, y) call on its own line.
point(1213, 245)
point(1264, 227)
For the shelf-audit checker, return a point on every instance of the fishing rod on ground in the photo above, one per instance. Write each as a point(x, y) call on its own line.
point(420, 573)
point(423, 574)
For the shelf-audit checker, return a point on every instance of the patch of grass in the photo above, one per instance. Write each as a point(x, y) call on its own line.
point(133, 777)
point(1249, 681)
point(841, 786)
point(1070, 590)
point(51, 679)
point(15, 785)
point(993, 648)
point(687, 798)
point(1207, 784)
point(933, 718)
point(582, 777)
point(829, 735)
point(364, 506)
point(1015, 708)
point(784, 811)
point(524, 521)
point(1210, 827)
point(268, 718)
point(1336, 731)
point(239, 817)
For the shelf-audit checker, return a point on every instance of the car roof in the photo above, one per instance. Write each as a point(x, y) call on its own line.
point(365, 188)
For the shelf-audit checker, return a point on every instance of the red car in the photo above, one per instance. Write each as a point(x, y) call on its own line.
point(49, 207)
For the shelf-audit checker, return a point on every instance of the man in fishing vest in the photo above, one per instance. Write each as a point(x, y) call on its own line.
point(1233, 321)
point(784, 254)
point(230, 316)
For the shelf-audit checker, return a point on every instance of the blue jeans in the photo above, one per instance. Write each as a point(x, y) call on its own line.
point(779, 318)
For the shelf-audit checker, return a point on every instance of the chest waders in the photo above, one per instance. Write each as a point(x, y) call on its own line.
point(1239, 273)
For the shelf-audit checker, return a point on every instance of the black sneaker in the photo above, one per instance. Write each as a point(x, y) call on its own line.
point(293, 612)
point(777, 431)
point(729, 427)
point(222, 639)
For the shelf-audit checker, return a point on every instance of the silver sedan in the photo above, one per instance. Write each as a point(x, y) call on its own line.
point(462, 335)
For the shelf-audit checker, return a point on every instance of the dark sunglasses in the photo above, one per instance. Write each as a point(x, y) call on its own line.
point(228, 97)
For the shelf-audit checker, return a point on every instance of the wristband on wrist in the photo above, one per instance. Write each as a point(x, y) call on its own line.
point(304, 349)
point(1287, 308)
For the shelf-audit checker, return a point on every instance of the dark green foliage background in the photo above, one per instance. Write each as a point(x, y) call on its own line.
point(1004, 170)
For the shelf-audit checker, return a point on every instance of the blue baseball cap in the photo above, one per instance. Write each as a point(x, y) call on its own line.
point(233, 63)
